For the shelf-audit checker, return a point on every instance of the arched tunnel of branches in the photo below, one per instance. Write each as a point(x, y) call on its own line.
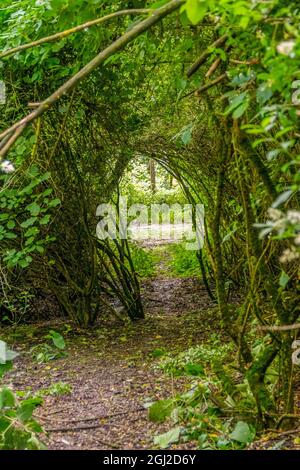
point(203, 90)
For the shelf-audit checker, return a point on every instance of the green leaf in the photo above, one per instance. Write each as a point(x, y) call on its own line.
point(10, 235)
point(32, 231)
point(160, 410)
point(4, 423)
point(243, 433)
point(7, 398)
point(194, 369)
point(235, 101)
point(186, 136)
point(23, 263)
point(196, 10)
point(240, 110)
point(33, 171)
point(11, 224)
point(45, 220)
point(34, 209)
point(164, 440)
point(57, 339)
point(54, 202)
point(5, 368)
point(159, 4)
point(263, 93)
point(27, 223)
point(283, 197)
point(284, 279)
point(27, 407)
point(158, 352)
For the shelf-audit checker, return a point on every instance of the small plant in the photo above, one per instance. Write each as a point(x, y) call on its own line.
point(16, 306)
point(184, 262)
point(192, 361)
point(206, 412)
point(25, 212)
point(58, 388)
point(49, 352)
point(18, 428)
point(57, 339)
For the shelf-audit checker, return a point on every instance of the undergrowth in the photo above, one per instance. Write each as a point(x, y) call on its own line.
point(184, 262)
point(217, 410)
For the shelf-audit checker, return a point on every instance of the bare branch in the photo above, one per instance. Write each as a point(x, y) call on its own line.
point(213, 67)
point(211, 84)
point(10, 141)
point(294, 326)
point(245, 62)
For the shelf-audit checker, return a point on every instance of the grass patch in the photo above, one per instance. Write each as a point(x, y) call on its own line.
point(184, 263)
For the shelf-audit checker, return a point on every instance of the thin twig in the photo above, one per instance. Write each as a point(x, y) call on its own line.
point(10, 142)
point(91, 419)
point(211, 84)
point(284, 433)
point(295, 326)
point(213, 67)
point(245, 62)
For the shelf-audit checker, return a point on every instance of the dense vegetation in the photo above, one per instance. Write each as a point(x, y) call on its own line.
point(177, 101)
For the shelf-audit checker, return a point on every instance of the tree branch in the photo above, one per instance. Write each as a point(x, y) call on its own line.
point(294, 326)
point(213, 67)
point(200, 61)
point(116, 46)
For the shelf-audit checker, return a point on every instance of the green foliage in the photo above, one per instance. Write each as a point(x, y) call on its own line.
point(56, 389)
point(25, 212)
point(17, 305)
point(48, 352)
point(158, 352)
point(143, 261)
point(168, 438)
point(18, 428)
point(195, 358)
point(136, 185)
point(57, 339)
point(160, 410)
point(184, 262)
point(233, 146)
point(204, 412)
point(243, 433)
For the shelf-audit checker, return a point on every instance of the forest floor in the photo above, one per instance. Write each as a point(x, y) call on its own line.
point(111, 371)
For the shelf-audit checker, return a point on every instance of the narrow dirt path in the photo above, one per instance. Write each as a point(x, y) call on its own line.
point(112, 370)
